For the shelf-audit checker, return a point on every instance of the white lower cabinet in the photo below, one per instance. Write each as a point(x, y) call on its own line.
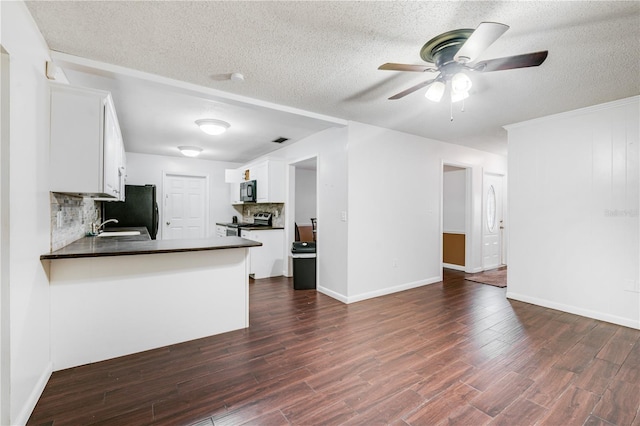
point(221, 231)
point(268, 259)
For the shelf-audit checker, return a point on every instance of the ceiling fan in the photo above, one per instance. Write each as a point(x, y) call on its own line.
point(453, 53)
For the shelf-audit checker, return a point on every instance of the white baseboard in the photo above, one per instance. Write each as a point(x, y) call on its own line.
point(614, 319)
point(30, 403)
point(333, 294)
point(454, 267)
point(391, 290)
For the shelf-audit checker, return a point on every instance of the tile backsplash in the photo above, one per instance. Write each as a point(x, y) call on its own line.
point(276, 210)
point(71, 218)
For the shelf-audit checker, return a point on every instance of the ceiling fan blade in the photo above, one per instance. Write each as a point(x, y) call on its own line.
point(412, 89)
point(406, 67)
point(510, 62)
point(480, 40)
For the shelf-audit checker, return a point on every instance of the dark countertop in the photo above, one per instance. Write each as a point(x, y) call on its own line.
point(252, 228)
point(260, 228)
point(142, 244)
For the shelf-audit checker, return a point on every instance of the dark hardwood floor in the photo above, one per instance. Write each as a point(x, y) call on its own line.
point(455, 352)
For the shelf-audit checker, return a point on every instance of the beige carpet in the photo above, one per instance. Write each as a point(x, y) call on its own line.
point(495, 277)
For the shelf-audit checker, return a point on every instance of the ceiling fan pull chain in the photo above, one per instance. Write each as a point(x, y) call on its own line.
point(451, 108)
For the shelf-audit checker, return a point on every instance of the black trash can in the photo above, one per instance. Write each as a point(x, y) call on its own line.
point(304, 265)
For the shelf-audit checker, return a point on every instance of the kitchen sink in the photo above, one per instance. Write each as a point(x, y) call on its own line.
point(118, 233)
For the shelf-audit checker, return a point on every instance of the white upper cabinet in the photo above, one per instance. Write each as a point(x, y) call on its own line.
point(86, 151)
point(270, 181)
point(233, 178)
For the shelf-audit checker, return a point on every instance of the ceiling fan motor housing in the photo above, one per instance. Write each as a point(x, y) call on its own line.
point(441, 49)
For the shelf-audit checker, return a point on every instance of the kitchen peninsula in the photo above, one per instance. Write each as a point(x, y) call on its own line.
point(117, 295)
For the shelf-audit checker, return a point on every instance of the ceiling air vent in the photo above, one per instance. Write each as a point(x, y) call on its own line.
point(280, 140)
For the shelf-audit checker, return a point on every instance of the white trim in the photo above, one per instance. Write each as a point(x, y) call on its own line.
point(290, 210)
point(5, 240)
point(468, 214)
point(333, 294)
point(614, 319)
point(391, 290)
point(34, 396)
point(503, 205)
point(164, 198)
point(574, 113)
point(455, 267)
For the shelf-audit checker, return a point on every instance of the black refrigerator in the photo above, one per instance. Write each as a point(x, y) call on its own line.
point(139, 209)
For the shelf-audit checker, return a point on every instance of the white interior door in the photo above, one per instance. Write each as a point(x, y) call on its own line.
point(185, 207)
point(492, 221)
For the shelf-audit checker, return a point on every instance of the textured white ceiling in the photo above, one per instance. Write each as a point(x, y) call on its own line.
point(323, 56)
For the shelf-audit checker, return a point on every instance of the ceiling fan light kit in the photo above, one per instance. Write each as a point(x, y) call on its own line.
point(213, 127)
point(460, 83)
point(458, 96)
point(452, 55)
point(435, 91)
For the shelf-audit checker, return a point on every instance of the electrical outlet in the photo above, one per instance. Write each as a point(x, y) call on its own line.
point(394, 262)
point(343, 216)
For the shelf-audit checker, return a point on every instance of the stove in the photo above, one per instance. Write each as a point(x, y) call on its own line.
point(261, 219)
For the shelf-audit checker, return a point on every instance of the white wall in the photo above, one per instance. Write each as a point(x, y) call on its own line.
point(396, 178)
point(330, 148)
point(306, 196)
point(148, 169)
point(29, 231)
point(573, 205)
point(454, 200)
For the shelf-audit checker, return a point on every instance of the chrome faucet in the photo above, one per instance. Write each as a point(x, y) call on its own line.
point(95, 228)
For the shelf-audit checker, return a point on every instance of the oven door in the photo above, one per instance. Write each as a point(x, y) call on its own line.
point(232, 231)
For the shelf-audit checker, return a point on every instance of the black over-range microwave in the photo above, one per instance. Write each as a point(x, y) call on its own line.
point(248, 191)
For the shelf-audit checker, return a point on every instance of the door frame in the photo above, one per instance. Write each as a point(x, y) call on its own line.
point(503, 237)
point(468, 215)
point(5, 292)
point(290, 212)
point(207, 208)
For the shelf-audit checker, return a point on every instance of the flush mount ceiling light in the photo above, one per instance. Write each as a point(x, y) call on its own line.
point(190, 151)
point(213, 127)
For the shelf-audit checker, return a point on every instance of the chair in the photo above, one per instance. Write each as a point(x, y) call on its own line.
point(314, 225)
point(306, 233)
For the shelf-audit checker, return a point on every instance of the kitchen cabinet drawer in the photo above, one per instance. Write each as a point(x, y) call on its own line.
point(86, 148)
point(268, 259)
point(221, 231)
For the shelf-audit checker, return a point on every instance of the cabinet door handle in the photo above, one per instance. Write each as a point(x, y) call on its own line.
point(168, 223)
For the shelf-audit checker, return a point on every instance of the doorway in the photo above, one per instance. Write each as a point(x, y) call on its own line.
point(185, 207)
point(456, 217)
point(302, 208)
point(492, 221)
